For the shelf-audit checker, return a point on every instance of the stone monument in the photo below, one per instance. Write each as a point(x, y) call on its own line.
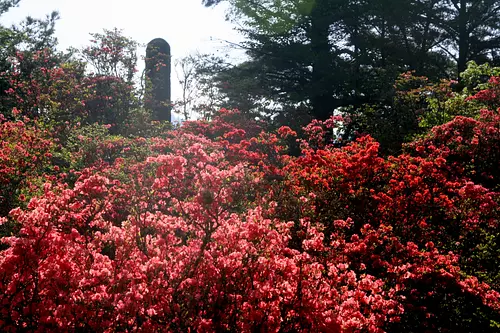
point(158, 71)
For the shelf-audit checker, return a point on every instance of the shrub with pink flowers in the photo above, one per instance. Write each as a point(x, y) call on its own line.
point(25, 161)
point(214, 227)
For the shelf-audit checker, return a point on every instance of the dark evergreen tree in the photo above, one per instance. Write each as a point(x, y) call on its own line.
point(311, 58)
point(472, 29)
point(327, 54)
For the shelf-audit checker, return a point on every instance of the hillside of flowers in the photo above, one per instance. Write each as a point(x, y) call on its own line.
point(214, 226)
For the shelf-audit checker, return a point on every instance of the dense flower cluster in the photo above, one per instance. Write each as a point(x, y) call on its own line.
point(25, 156)
point(491, 95)
point(213, 227)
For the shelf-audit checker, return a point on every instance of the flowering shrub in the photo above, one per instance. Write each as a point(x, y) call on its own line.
point(490, 95)
point(214, 227)
point(25, 155)
point(417, 105)
point(59, 91)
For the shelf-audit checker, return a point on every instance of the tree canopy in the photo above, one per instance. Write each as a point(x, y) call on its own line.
point(326, 54)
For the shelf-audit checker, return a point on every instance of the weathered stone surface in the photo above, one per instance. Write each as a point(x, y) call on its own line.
point(158, 71)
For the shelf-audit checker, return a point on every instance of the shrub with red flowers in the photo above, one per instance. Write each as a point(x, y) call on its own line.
point(60, 91)
point(416, 105)
point(490, 96)
point(214, 227)
point(111, 223)
point(25, 157)
point(62, 94)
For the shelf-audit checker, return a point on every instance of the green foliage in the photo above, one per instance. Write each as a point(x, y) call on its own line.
point(140, 123)
point(486, 257)
point(271, 16)
point(5, 5)
point(417, 105)
point(476, 77)
point(448, 99)
point(94, 143)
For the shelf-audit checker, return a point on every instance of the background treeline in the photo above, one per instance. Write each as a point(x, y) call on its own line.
point(305, 59)
point(309, 58)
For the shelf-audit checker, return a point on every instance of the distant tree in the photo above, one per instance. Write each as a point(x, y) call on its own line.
point(210, 82)
point(327, 54)
point(472, 28)
point(61, 90)
point(111, 54)
point(29, 38)
point(187, 78)
point(111, 60)
point(5, 5)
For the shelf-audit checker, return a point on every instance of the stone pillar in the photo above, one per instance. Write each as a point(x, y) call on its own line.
point(158, 71)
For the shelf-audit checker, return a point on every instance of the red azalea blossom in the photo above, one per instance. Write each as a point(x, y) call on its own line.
point(213, 227)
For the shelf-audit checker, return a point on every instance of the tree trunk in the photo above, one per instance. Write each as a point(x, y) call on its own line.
point(463, 37)
point(321, 93)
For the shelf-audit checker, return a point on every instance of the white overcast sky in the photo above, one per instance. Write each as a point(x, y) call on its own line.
point(185, 24)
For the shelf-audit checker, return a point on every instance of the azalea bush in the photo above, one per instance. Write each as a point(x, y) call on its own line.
point(26, 153)
point(416, 105)
point(214, 227)
point(385, 219)
point(88, 86)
